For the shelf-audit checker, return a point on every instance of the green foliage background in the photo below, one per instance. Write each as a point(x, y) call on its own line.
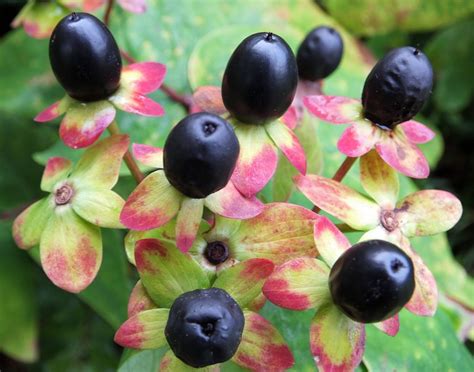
point(56, 331)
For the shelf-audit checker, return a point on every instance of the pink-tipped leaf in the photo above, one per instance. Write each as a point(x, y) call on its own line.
point(166, 272)
point(188, 221)
point(330, 242)
point(144, 77)
point(299, 284)
point(148, 155)
point(30, 224)
point(333, 109)
point(145, 330)
point(139, 300)
point(57, 169)
point(152, 204)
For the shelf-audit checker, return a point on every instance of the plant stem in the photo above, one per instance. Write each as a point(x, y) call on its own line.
point(340, 174)
point(345, 228)
point(129, 160)
point(184, 100)
point(108, 11)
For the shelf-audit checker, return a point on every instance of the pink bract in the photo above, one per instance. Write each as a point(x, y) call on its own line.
point(396, 146)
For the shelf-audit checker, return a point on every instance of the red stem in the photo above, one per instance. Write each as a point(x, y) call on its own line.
point(108, 11)
point(183, 100)
point(340, 174)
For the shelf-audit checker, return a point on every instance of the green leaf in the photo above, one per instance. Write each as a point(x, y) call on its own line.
point(422, 344)
point(18, 313)
point(450, 52)
point(369, 17)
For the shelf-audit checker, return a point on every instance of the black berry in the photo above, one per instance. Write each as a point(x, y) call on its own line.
point(216, 252)
point(260, 79)
point(85, 57)
point(397, 87)
point(204, 327)
point(200, 154)
point(372, 281)
point(319, 54)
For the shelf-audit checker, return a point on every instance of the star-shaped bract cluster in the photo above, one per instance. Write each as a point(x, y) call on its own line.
point(66, 224)
point(167, 273)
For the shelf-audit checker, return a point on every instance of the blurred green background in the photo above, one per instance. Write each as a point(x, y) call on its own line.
point(44, 328)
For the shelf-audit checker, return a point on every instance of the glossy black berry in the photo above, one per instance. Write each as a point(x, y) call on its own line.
point(260, 79)
point(204, 327)
point(397, 87)
point(85, 57)
point(319, 54)
point(372, 281)
point(200, 154)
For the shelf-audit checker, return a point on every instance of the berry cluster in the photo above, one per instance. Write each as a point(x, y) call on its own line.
point(208, 252)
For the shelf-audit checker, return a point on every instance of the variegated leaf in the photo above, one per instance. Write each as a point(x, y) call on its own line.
point(56, 169)
point(188, 221)
point(330, 242)
point(99, 166)
point(358, 139)
point(70, 250)
point(229, 202)
point(30, 224)
point(281, 232)
point(136, 103)
point(152, 204)
point(85, 122)
point(166, 272)
point(401, 154)
point(257, 160)
point(428, 212)
point(262, 347)
point(288, 143)
point(299, 284)
point(145, 330)
point(244, 281)
point(144, 77)
point(417, 132)
point(379, 180)
point(99, 207)
point(139, 300)
point(339, 200)
point(333, 109)
point(337, 343)
point(148, 155)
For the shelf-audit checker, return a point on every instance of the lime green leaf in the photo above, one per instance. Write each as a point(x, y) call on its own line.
point(244, 281)
point(166, 272)
point(99, 207)
point(29, 225)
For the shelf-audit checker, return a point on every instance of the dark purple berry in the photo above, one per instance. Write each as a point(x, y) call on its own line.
point(216, 252)
point(200, 154)
point(260, 79)
point(372, 281)
point(204, 327)
point(85, 57)
point(319, 54)
point(397, 87)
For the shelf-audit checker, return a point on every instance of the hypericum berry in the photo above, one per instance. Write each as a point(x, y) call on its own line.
point(260, 79)
point(200, 154)
point(216, 252)
point(397, 87)
point(372, 281)
point(85, 57)
point(204, 327)
point(319, 54)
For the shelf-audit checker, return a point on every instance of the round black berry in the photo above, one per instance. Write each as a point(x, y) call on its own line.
point(372, 281)
point(319, 54)
point(260, 79)
point(200, 154)
point(85, 57)
point(204, 327)
point(397, 87)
